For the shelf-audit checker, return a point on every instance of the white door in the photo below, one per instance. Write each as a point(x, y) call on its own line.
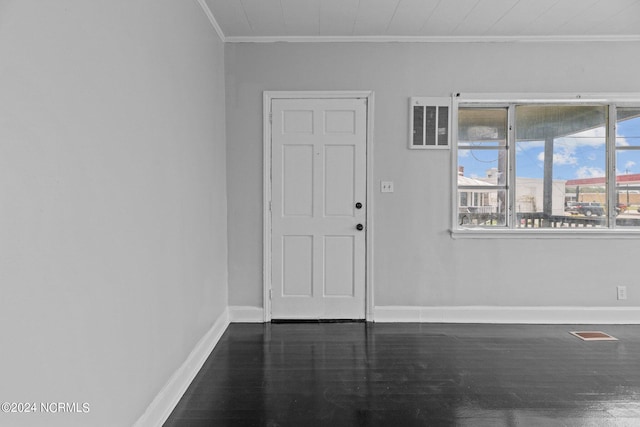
point(318, 208)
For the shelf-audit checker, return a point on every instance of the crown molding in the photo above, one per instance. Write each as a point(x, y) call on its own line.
point(435, 39)
point(212, 19)
point(608, 38)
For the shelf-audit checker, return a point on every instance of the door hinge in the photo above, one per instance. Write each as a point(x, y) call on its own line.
point(270, 117)
point(270, 293)
point(270, 205)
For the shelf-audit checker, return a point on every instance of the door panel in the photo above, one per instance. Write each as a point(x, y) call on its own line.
point(318, 169)
point(338, 266)
point(297, 266)
point(297, 121)
point(297, 180)
point(340, 121)
point(339, 175)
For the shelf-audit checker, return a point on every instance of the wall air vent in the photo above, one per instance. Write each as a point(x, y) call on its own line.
point(429, 122)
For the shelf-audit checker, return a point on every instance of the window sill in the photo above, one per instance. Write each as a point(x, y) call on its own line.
point(484, 233)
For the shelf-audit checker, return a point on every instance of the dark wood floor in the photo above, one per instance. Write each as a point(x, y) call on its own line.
point(364, 374)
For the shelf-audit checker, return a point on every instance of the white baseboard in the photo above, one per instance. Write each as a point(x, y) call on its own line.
point(160, 408)
point(489, 314)
point(246, 314)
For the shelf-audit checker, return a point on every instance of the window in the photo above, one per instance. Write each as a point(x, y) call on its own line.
point(482, 146)
point(562, 164)
point(627, 148)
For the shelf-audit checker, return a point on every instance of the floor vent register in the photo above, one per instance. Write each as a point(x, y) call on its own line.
point(593, 336)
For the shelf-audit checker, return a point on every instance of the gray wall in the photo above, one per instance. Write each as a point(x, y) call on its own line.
point(112, 201)
point(417, 263)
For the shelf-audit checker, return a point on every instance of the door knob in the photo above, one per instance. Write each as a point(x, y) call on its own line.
point(360, 227)
point(358, 205)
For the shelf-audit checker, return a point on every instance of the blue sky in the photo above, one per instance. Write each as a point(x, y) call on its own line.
point(581, 155)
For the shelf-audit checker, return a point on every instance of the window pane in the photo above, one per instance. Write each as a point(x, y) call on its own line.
point(482, 126)
point(628, 132)
point(628, 188)
point(560, 150)
point(488, 166)
point(627, 165)
point(485, 208)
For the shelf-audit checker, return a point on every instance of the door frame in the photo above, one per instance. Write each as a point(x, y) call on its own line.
point(268, 96)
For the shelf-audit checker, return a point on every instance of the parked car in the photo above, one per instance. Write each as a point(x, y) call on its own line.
point(572, 207)
point(589, 208)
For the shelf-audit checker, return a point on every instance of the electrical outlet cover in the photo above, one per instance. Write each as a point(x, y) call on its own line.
point(622, 292)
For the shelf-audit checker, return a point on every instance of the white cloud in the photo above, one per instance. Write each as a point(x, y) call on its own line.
point(527, 145)
point(565, 157)
point(589, 172)
point(589, 138)
point(594, 138)
point(621, 141)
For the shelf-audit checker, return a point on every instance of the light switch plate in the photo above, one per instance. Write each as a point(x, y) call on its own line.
point(386, 186)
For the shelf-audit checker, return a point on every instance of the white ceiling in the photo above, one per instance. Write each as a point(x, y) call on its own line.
point(427, 20)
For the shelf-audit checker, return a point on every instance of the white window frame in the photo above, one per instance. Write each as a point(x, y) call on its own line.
point(610, 100)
